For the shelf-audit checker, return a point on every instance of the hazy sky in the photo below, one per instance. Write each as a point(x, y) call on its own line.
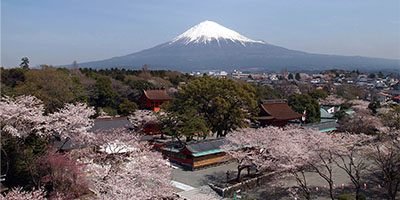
point(61, 31)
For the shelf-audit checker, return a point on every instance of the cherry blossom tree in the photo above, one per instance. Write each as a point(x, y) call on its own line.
point(327, 149)
point(123, 168)
point(286, 88)
point(292, 150)
point(120, 166)
point(332, 100)
point(140, 118)
point(24, 115)
point(360, 106)
point(390, 116)
point(244, 146)
point(71, 121)
point(385, 155)
point(19, 194)
point(21, 116)
point(281, 150)
point(361, 122)
point(350, 158)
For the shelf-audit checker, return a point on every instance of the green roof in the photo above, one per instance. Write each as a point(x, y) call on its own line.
point(350, 111)
point(325, 114)
point(207, 152)
point(326, 130)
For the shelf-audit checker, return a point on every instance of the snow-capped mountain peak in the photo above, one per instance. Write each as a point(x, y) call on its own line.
point(207, 31)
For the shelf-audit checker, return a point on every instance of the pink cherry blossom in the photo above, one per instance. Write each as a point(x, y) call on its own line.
point(121, 167)
point(19, 194)
point(21, 116)
point(72, 121)
point(332, 100)
point(140, 118)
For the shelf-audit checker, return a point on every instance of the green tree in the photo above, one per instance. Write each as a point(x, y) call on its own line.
point(297, 77)
point(187, 123)
point(381, 75)
point(301, 102)
point(24, 63)
point(107, 111)
point(18, 159)
point(318, 94)
point(372, 75)
point(105, 93)
point(374, 106)
point(266, 93)
point(10, 78)
point(127, 107)
point(139, 86)
point(290, 76)
point(51, 86)
point(224, 103)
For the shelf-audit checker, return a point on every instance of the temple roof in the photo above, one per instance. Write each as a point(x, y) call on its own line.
point(279, 110)
point(156, 94)
point(107, 124)
point(205, 145)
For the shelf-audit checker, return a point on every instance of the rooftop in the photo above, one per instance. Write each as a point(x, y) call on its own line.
point(111, 123)
point(156, 94)
point(278, 109)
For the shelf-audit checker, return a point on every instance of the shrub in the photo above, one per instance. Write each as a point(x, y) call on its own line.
point(361, 196)
point(346, 197)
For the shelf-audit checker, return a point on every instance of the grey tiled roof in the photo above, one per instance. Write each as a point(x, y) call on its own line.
point(112, 123)
point(205, 145)
point(67, 144)
point(322, 125)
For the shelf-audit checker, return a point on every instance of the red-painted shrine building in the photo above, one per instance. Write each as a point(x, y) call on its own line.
point(152, 99)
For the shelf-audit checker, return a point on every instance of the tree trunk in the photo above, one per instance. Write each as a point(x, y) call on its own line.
point(219, 133)
point(357, 192)
point(331, 190)
point(392, 189)
point(302, 183)
point(238, 174)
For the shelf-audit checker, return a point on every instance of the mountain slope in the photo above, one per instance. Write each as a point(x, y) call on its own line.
point(209, 45)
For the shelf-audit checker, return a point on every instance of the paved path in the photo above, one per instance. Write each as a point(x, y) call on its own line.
point(202, 177)
point(193, 185)
point(201, 193)
point(182, 186)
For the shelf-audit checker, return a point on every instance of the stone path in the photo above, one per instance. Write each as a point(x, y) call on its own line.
point(182, 186)
point(201, 193)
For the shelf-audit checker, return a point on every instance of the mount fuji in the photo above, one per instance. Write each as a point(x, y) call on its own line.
point(209, 45)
